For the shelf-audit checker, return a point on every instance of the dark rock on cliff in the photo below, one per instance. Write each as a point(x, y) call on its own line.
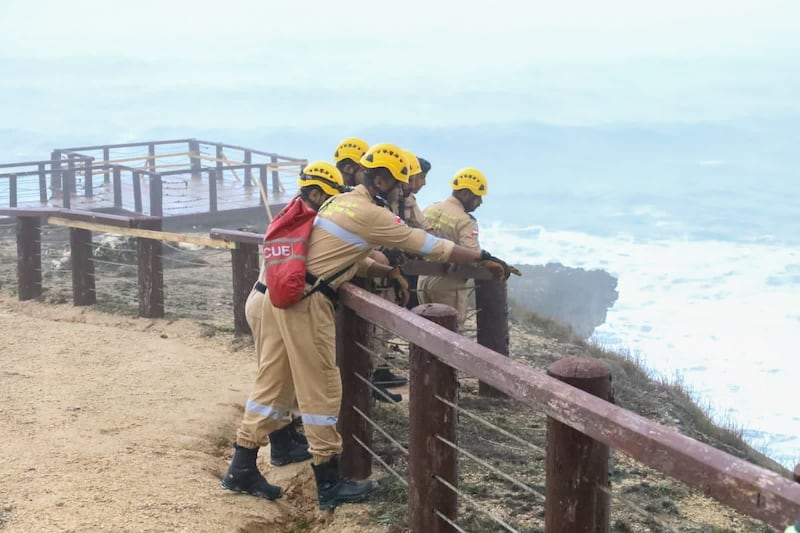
point(577, 297)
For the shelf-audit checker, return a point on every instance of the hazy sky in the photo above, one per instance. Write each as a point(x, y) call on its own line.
point(467, 61)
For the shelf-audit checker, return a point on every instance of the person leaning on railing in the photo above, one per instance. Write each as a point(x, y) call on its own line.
point(318, 181)
point(451, 219)
point(299, 355)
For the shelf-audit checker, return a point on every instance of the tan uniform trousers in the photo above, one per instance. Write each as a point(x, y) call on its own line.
point(252, 313)
point(449, 291)
point(298, 361)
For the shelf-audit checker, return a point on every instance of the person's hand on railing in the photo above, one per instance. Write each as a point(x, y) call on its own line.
point(487, 261)
point(495, 269)
point(400, 284)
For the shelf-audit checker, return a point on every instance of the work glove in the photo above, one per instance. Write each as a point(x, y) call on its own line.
point(400, 284)
point(507, 269)
point(396, 257)
point(495, 269)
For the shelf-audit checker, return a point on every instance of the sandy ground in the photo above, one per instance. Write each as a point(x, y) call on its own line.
point(110, 423)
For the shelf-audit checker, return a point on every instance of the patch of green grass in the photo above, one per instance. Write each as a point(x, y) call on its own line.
point(620, 526)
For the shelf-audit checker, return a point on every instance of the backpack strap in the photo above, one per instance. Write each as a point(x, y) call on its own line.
point(322, 285)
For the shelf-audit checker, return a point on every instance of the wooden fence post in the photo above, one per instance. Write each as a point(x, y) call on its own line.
point(220, 157)
point(248, 171)
point(42, 184)
point(137, 192)
point(212, 191)
point(577, 464)
point(151, 157)
point(71, 185)
point(55, 171)
point(356, 462)
point(194, 158)
point(80, 245)
point(88, 181)
point(151, 271)
point(67, 185)
point(156, 196)
point(491, 300)
point(245, 265)
point(428, 418)
point(106, 158)
point(262, 177)
point(12, 191)
point(117, 186)
point(276, 182)
point(29, 257)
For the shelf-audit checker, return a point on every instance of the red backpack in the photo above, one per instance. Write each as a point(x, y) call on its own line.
point(285, 249)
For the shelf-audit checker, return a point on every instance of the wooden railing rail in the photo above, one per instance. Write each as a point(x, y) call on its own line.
point(748, 488)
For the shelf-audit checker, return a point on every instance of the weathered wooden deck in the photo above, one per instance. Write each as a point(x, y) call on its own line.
point(187, 179)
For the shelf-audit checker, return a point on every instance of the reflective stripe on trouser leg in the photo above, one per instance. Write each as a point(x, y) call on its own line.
point(268, 406)
point(308, 330)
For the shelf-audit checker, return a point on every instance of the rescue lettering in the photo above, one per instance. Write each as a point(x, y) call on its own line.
point(277, 250)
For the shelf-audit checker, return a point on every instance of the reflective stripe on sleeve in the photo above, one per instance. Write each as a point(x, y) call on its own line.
point(340, 233)
point(429, 244)
point(319, 420)
point(267, 411)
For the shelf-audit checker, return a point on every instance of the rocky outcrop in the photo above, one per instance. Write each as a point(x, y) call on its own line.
point(575, 296)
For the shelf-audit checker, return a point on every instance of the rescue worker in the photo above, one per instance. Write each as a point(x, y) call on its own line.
point(451, 219)
point(420, 180)
point(402, 203)
point(347, 157)
point(318, 181)
point(298, 358)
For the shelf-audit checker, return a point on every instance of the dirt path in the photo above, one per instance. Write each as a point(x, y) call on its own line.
point(116, 424)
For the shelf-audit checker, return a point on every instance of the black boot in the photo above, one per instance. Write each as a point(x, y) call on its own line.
point(283, 449)
point(243, 475)
point(386, 396)
point(332, 490)
point(296, 435)
point(384, 377)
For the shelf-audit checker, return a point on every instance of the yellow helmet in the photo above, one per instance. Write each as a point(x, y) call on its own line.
point(387, 156)
point(472, 179)
point(324, 175)
point(351, 148)
point(414, 167)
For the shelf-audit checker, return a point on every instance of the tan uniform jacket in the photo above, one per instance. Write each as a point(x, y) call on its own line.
point(448, 220)
point(350, 225)
point(410, 211)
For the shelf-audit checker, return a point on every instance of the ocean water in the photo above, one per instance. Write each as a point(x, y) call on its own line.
point(720, 316)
